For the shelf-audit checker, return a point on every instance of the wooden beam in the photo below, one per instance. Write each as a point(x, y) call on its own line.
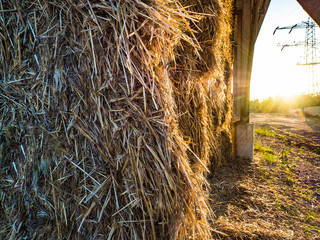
point(248, 18)
point(249, 15)
point(312, 7)
point(246, 40)
point(237, 37)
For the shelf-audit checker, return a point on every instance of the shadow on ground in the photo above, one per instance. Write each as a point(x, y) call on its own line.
point(276, 196)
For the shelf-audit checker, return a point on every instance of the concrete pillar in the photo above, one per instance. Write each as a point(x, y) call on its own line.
point(244, 137)
point(249, 15)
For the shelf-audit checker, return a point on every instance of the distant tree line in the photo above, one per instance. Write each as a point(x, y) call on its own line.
point(283, 104)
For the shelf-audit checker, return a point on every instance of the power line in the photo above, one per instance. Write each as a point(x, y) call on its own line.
point(310, 53)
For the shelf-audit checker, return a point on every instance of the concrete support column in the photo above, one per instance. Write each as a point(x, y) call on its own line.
point(249, 15)
point(244, 137)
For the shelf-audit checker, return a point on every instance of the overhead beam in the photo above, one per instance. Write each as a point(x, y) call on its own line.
point(312, 7)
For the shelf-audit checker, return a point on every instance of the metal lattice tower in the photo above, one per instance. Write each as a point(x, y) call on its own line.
point(311, 58)
point(310, 54)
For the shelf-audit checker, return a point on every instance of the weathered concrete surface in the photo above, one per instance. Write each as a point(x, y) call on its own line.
point(244, 136)
point(313, 111)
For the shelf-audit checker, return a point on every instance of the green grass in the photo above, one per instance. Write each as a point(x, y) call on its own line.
point(311, 216)
point(270, 158)
point(281, 137)
point(263, 131)
point(284, 157)
point(309, 229)
point(265, 174)
point(284, 153)
point(278, 204)
point(292, 135)
point(259, 147)
point(290, 209)
point(306, 195)
point(290, 181)
point(267, 153)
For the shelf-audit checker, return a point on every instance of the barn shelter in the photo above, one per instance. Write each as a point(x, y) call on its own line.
point(249, 15)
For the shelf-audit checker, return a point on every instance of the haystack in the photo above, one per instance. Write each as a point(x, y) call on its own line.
point(111, 114)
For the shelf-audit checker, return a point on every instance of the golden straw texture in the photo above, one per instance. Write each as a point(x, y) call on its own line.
point(110, 115)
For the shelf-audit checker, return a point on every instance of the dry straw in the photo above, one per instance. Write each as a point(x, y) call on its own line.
point(110, 112)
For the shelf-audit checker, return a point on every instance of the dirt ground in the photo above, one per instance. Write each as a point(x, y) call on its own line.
point(293, 122)
point(277, 195)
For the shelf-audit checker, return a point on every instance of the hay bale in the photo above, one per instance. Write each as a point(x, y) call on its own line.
point(204, 96)
point(99, 136)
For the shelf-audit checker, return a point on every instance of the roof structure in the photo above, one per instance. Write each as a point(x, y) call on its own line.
point(312, 7)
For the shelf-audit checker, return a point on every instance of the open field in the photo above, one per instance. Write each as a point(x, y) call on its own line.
point(277, 196)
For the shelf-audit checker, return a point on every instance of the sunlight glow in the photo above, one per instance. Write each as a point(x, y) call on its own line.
point(275, 72)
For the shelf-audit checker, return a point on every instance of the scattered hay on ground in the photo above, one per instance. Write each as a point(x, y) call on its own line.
point(266, 199)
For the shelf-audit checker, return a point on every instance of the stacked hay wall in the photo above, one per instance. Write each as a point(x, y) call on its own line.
point(111, 112)
point(204, 96)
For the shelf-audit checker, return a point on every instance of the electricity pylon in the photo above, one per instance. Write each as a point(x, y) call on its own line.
point(310, 53)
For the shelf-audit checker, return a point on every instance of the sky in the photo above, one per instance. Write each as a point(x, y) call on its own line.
point(275, 72)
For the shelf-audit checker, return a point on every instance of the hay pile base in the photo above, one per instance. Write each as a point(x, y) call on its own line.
point(110, 112)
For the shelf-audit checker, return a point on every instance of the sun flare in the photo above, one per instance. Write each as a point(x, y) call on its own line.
point(277, 72)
